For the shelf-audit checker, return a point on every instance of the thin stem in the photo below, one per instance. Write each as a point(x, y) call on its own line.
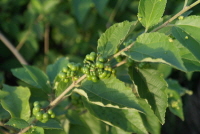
point(24, 130)
point(46, 44)
point(176, 16)
point(3, 131)
point(113, 14)
point(185, 3)
point(22, 41)
point(59, 98)
point(10, 46)
point(8, 127)
point(120, 63)
point(125, 49)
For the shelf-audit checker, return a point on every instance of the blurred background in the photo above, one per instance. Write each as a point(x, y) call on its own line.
point(44, 30)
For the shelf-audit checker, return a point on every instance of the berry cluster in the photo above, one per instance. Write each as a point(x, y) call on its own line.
point(95, 67)
point(40, 114)
point(70, 72)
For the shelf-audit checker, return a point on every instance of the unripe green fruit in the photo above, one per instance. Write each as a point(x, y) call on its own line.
point(92, 57)
point(65, 69)
point(93, 53)
point(49, 111)
point(44, 120)
point(73, 68)
point(75, 78)
point(87, 57)
point(45, 116)
point(61, 75)
point(36, 108)
point(38, 116)
point(66, 80)
point(36, 103)
point(99, 64)
point(89, 77)
point(53, 115)
point(101, 59)
point(94, 79)
point(113, 71)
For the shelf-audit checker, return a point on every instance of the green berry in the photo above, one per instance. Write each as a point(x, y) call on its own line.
point(36, 103)
point(38, 116)
point(53, 115)
point(101, 59)
point(87, 57)
point(89, 77)
point(75, 78)
point(73, 68)
point(94, 79)
point(113, 71)
point(61, 75)
point(99, 64)
point(45, 116)
point(66, 80)
point(92, 57)
point(49, 111)
point(93, 53)
point(65, 69)
point(36, 108)
point(44, 120)
point(103, 75)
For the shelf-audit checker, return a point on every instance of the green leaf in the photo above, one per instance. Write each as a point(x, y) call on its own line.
point(187, 32)
point(174, 85)
point(81, 8)
point(84, 123)
point(109, 93)
point(115, 130)
point(17, 102)
point(51, 124)
point(55, 131)
point(122, 74)
point(36, 130)
point(3, 94)
point(189, 60)
point(54, 69)
point(156, 47)
point(109, 41)
point(17, 123)
point(4, 115)
point(149, 119)
point(151, 86)
point(60, 86)
point(34, 77)
point(165, 70)
point(175, 103)
point(150, 12)
point(127, 119)
point(100, 5)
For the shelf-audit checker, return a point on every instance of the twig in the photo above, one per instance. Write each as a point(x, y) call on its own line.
point(3, 131)
point(185, 4)
point(22, 41)
point(57, 100)
point(112, 16)
point(46, 44)
point(8, 127)
point(125, 49)
point(177, 15)
point(24, 130)
point(120, 63)
point(12, 49)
